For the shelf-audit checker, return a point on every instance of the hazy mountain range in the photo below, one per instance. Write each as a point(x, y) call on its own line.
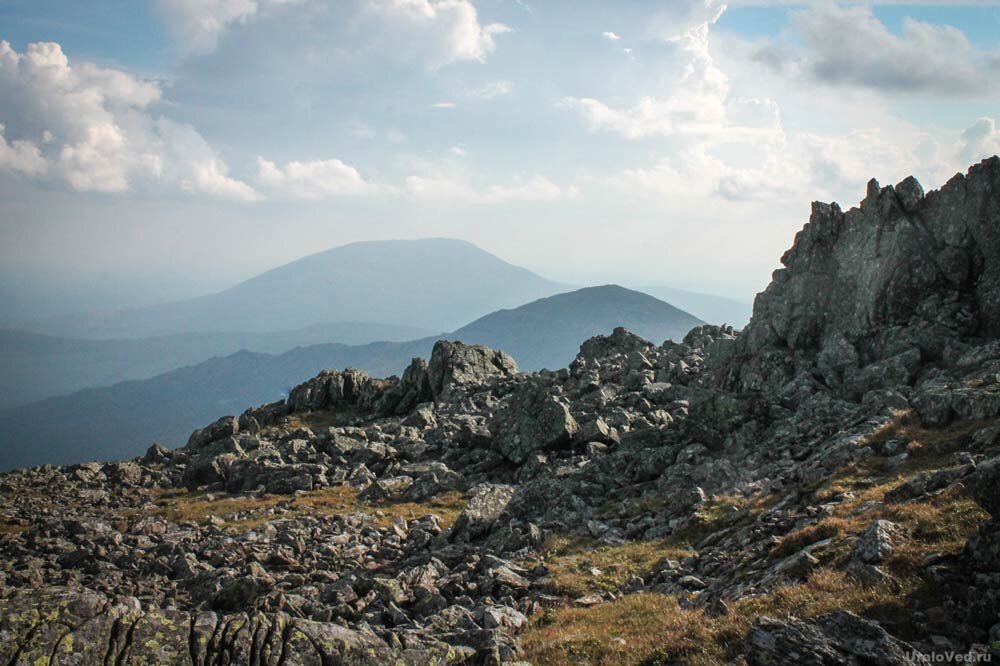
point(344, 295)
point(122, 420)
point(105, 384)
point(436, 284)
point(37, 366)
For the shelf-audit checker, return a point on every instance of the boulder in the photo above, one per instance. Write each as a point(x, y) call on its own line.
point(531, 420)
point(456, 364)
point(227, 426)
point(899, 277)
point(621, 341)
point(835, 638)
point(487, 502)
point(985, 486)
point(877, 541)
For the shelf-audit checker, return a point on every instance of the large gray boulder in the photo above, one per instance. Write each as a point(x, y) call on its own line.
point(225, 427)
point(835, 638)
point(328, 390)
point(985, 486)
point(532, 420)
point(455, 364)
point(487, 502)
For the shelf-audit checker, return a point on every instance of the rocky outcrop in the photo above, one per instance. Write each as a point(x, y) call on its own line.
point(868, 297)
point(335, 390)
point(454, 364)
point(66, 627)
point(837, 638)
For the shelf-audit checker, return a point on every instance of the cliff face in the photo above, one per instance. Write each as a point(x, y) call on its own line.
point(903, 280)
point(834, 466)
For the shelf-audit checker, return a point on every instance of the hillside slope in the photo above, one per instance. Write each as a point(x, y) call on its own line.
point(34, 366)
point(546, 333)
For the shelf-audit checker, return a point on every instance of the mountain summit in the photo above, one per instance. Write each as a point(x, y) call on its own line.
point(447, 283)
point(546, 333)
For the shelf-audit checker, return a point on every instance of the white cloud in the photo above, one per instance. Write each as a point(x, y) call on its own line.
point(850, 46)
point(981, 140)
point(797, 168)
point(724, 147)
point(443, 105)
point(611, 36)
point(319, 179)
point(695, 99)
point(90, 127)
point(21, 156)
point(437, 32)
point(432, 32)
point(197, 25)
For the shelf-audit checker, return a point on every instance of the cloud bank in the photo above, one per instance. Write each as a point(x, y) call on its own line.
point(91, 128)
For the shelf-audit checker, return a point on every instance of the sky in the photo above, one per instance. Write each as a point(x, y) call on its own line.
point(165, 148)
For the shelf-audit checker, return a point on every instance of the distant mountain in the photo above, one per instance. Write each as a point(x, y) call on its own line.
point(711, 308)
point(122, 420)
point(435, 284)
point(34, 366)
point(548, 332)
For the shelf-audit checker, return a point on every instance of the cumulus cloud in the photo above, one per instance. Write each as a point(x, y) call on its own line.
point(981, 140)
point(90, 127)
point(695, 100)
point(724, 147)
point(437, 32)
point(431, 32)
point(318, 179)
point(197, 25)
point(851, 46)
point(21, 156)
point(804, 166)
point(614, 37)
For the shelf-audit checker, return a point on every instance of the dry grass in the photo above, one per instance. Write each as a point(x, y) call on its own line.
point(247, 512)
point(717, 513)
point(653, 629)
point(927, 447)
point(827, 528)
point(580, 566)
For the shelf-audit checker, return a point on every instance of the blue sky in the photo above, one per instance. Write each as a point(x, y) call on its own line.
point(192, 143)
